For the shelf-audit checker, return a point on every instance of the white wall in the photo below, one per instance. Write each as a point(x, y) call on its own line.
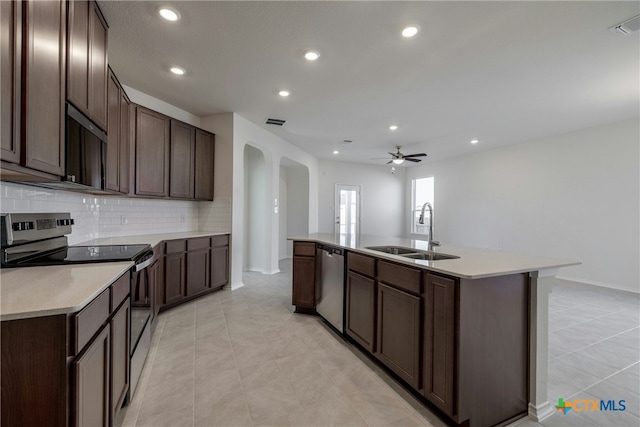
point(102, 216)
point(255, 221)
point(273, 148)
point(161, 106)
point(381, 194)
point(573, 196)
point(294, 206)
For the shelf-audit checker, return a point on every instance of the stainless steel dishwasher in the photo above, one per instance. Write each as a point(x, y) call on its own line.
point(330, 292)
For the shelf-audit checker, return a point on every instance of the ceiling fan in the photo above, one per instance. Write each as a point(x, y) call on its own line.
point(398, 158)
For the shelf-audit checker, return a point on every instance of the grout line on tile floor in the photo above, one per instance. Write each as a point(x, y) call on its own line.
point(594, 343)
point(602, 380)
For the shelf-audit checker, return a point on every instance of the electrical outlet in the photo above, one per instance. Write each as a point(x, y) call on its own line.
point(123, 219)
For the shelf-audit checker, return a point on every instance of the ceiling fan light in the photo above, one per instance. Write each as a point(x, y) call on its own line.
point(398, 161)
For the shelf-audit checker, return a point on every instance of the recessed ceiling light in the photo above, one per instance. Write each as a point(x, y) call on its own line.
point(284, 93)
point(410, 31)
point(169, 14)
point(311, 55)
point(179, 71)
point(474, 141)
point(393, 127)
point(336, 152)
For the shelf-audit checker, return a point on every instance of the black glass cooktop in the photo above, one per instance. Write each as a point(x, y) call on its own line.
point(87, 254)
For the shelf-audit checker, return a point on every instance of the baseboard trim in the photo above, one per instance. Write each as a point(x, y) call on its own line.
point(540, 412)
point(598, 284)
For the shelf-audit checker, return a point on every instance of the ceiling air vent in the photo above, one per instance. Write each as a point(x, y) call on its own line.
point(627, 27)
point(276, 122)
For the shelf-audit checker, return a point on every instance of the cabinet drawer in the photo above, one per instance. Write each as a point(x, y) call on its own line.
point(199, 243)
point(304, 248)
point(362, 264)
point(90, 319)
point(120, 290)
point(220, 240)
point(404, 278)
point(174, 246)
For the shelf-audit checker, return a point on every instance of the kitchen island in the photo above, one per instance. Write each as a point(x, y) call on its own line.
point(467, 333)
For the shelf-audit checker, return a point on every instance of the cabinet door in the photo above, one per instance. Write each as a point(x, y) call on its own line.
point(113, 133)
point(98, 75)
point(174, 268)
point(304, 278)
point(10, 40)
point(439, 341)
point(78, 56)
point(219, 266)
point(360, 322)
point(399, 332)
point(204, 159)
point(44, 85)
point(198, 279)
point(91, 383)
point(120, 342)
point(125, 142)
point(152, 153)
point(181, 166)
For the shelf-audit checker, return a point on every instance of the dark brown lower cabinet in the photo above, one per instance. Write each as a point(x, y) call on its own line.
point(120, 327)
point(439, 350)
point(198, 278)
point(361, 309)
point(399, 332)
point(91, 373)
point(304, 277)
point(219, 266)
point(174, 277)
point(155, 273)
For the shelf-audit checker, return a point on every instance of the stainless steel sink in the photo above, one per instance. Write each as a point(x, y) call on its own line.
point(412, 253)
point(430, 256)
point(393, 250)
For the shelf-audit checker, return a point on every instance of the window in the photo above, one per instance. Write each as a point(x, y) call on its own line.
point(422, 192)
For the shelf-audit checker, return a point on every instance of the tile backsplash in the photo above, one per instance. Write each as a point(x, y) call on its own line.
point(112, 216)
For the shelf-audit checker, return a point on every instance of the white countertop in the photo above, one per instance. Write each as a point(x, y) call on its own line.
point(150, 239)
point(58, 289)
point(473, 263)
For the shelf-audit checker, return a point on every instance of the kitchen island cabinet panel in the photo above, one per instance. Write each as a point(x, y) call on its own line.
point(44, 86)
point(361, 309)
point(91, 373)
point(11, 45)
point(439, 346)
point(399, 333)
point(304, 277)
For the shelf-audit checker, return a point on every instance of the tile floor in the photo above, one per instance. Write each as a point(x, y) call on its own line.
point(243, 358)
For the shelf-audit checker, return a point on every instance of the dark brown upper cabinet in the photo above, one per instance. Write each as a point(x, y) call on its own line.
point(43, 86)
point(151, 153)
point(204, 158)
point(119, 135)
point(87, 76)
point(11, 44)
point(182, 159)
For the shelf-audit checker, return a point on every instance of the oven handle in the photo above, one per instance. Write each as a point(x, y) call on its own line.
point(144, 264)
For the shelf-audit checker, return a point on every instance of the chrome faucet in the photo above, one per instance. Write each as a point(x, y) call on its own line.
point(421, 221)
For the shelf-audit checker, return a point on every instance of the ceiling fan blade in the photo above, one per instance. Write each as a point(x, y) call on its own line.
point(396, 155)
point(389, 162)
point(416, 155)
point(412, 160)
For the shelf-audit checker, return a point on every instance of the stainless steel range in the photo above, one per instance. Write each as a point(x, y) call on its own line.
point(37, 239)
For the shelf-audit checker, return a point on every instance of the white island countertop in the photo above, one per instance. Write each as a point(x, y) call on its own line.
point(473, 263)
point(58, 289)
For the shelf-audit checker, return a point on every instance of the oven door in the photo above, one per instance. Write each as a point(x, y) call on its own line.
point(142, 316)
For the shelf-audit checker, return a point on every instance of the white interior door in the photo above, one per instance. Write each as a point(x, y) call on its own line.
point(347, 212)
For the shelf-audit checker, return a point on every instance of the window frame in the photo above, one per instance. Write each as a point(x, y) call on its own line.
point(416, 209)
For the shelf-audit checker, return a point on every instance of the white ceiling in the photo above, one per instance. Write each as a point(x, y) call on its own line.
point(501, 72)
